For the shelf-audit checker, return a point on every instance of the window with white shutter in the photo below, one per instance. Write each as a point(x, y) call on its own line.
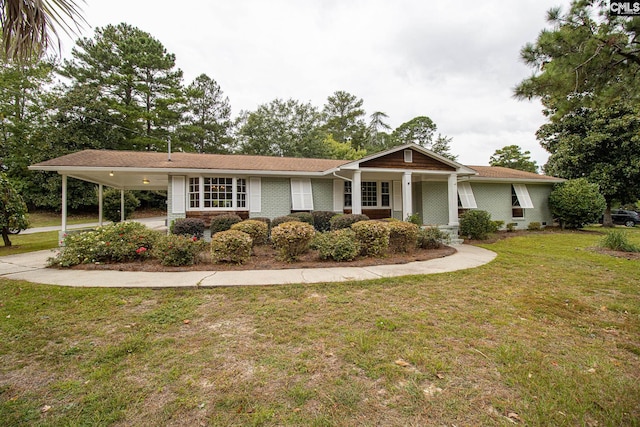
point(301, 195)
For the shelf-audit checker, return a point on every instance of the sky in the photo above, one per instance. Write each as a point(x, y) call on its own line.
point(456, 62)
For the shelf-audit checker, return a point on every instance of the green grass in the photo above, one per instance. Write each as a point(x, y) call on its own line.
point(549, 331)
point(50, 219)
point(21, 243)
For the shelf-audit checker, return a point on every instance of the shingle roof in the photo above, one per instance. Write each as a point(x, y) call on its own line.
point(498, 172)
point(154, 160)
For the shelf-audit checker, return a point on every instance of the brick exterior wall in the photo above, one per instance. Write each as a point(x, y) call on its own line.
point(435, 203)
point(276, 198)
point(322, 194)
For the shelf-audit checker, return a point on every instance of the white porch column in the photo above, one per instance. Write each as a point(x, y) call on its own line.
point(452, 188)
point(122, 205)
point(407, 202)
point(356, 193)
point(100, 195)
point(64, 204)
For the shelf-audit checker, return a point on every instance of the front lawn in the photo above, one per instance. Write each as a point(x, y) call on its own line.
point(547, 334)
point(21, 243)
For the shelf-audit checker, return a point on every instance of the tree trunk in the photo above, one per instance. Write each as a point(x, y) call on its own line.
point(5, 236)
point(607, 221)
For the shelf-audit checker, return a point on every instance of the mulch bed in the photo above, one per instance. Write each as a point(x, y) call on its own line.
point(265, 258)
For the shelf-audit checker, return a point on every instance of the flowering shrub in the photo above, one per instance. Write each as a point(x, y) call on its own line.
point(292, 239)
point(231, 246)
point(258, 230)
point(403, 236)
point(373, 237)
point(120, 242)
point(345, 221)
point(432, 238)
point(223, 222)
point(177, 250)
point(338, 245)
point(321, 220)
point(188, 227)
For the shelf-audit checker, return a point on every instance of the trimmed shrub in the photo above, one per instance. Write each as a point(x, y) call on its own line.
point(497, 225)
point(304, 217)
point(534, 226)
point(263, 219)
point(190, 227)
point(258, 230)
point(618, 240)
point(223, 222)
point(373, 237)
point(111, 204)
point(338, 245)
point(512, 226)
point(321, 220)
point(476, 225)
point(119, 242)
point(576, 202)
point(403, 236)
point(292, 239)
point(231, 246)
point(341, 221)
point(432, 238)
point(282, 219)
point(414, 218)
point(177, 250)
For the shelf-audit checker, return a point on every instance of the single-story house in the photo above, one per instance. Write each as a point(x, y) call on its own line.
point(398, 182)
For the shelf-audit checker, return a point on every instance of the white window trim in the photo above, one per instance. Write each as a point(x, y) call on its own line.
point(467, 199)
point(234, 189)
point(523, 196)
point(379, 195)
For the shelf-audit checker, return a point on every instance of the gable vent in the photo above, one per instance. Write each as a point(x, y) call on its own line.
point(408, 156)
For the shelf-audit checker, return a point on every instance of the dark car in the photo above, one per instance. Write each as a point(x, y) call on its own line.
point(628, 218)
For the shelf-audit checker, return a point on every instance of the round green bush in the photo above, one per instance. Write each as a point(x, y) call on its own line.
point(263, 219)
point(403, 236)
point(304, 217)
point(373, 237)
point(321, 220)
point(223, 222)
point(282, 219)
point(432, 238)
point(177, 250)
point(341, 221)
point(576, 202)
point(338, 245)
point(231, 246)
point(190, 227)
point(111, 204)
point(258, 230)
point(476, 224)
point(292, 239)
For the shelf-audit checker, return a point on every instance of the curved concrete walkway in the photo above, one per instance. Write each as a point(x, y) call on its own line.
point(32, 267)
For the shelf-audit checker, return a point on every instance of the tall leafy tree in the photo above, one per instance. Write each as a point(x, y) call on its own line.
point(207, 117)
point(512, 156)
point(345, 119)
point(282, 128)
point(586, 73)
point(378, 132)
point(136, 78)
point(13, 211)
point(421, 130)
point(29, 27)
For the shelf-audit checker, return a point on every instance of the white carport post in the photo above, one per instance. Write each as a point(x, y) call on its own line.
point(407, 202)
point(122, 205)
point(452, 188)
point(64, 204)
point(356, 193)
point(100, 193)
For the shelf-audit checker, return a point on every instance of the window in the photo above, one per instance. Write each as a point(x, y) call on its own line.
point(374, 194)
point(301, 195)
point(408, 156)
point(516, 209)
point(347, 194)
point(217, 193)
point(520, 200)
point(194, 192)
point(241, 193)
point(384, 193)
point(369, 193)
